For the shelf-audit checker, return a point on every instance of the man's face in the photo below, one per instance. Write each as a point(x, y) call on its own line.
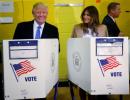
point(40, 14)
point(116, 11)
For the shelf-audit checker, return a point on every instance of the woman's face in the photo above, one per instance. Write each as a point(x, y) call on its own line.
point(86, 17)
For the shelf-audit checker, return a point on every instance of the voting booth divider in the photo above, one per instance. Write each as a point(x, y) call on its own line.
point(129, 61)
point(30, 68)
point(99, 65)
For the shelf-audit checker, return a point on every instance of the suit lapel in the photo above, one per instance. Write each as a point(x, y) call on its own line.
point(31, 29)
point(110, 19)
point(44, 32)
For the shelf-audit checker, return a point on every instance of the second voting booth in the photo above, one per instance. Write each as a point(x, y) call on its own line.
point(99, 65)
point(30, 68)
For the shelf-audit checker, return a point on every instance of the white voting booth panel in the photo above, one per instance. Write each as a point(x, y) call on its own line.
point(99, 65)
point(30, 68)
point(129, 58)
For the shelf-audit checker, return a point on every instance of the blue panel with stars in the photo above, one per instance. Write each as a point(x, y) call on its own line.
point(108, 46)
point(23, 49)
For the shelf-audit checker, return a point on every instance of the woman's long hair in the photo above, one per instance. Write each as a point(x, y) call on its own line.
point(93, 12)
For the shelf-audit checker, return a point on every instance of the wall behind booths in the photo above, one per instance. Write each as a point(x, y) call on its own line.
point(64, 14)
point(67, 13)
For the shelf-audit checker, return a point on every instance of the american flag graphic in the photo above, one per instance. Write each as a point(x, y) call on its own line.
point(23, 67)
point(109, 63)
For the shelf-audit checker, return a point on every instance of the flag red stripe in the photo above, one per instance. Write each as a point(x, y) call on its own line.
point(26, 67)
point(111, 63)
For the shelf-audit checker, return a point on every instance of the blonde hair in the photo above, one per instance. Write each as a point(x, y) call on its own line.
point(38, 5)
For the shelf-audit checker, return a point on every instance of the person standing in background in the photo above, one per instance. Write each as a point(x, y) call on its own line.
point(114, 11)
point(37, 28)
point(90, 27)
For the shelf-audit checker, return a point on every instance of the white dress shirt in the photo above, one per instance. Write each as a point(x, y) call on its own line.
point(35, 25)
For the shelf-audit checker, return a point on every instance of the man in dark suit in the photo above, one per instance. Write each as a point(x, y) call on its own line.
point(37, 28)
point(27, 30)
point(109, 20)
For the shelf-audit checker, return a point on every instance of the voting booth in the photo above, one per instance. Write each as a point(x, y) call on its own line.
point(129, 58)
point(30, 68)
point(99, 65)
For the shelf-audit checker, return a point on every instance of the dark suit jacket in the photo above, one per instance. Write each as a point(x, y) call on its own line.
point(24, 30)
point(112, 27)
